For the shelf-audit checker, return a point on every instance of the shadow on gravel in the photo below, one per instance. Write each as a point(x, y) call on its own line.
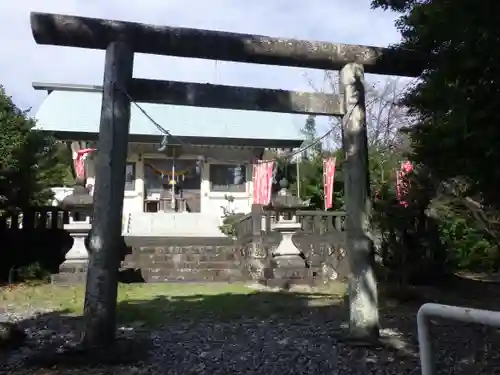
point(276, 333)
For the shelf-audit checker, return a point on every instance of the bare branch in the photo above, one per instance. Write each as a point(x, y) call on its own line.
point(331, 81)
point(384, 115)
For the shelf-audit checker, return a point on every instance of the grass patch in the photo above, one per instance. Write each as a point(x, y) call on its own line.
point(156, 304)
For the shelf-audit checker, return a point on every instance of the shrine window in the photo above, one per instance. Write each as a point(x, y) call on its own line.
point(228, 178)
point(130, 177)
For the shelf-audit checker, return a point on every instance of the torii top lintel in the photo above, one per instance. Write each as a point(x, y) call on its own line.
point(94, 33)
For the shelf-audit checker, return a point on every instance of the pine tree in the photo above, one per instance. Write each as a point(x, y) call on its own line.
point(309, 131)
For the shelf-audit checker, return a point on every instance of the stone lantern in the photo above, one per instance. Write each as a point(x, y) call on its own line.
point(288, 260)
point(79, 203)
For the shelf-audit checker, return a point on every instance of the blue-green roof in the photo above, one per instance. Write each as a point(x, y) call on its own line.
point(76, 111)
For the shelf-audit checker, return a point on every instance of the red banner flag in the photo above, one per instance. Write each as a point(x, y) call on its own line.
point(79, 161)
point(328, 179)
point(402, 184)
point(262, 176)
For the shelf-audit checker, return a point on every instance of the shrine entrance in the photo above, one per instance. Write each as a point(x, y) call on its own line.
point(123, 40)
point(172, 185)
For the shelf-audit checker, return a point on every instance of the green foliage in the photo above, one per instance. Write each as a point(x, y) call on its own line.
point(428, 234)
point(395, 5)
point(30, 161)
point(310, 169)
point(468, 248)
point(309, 131)
point(311, 182)
point(229, 222)
point(456, 101)
point(454, 105)
point(230, 218)
point(33, 272)
point(410, 236)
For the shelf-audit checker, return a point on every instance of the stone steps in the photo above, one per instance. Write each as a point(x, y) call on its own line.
point(187, 263)
point(156, 259)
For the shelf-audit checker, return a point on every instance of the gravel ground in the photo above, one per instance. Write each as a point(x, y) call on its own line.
point(295, 345)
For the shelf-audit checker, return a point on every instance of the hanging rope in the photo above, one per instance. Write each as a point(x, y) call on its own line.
point(166, 133)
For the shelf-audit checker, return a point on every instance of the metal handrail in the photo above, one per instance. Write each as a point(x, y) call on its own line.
point(461, 314)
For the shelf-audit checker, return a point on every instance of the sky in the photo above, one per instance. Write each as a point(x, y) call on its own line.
point(23, 62)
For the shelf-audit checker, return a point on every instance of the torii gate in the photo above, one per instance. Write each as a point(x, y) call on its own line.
point(122, 39)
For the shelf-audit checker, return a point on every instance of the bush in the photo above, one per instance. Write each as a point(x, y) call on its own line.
point(467, 247)
point(229, 222)
point(33, 272)
point(34, 252)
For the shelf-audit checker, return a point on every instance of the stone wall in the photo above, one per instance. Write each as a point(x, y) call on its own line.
point(186, 259)
point(325, 253)
point(169, 259)
point(322, 260)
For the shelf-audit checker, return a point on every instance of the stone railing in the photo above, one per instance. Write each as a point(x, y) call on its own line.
point(42, 217)
point(33, 234)
point(321, 222)
point(249, 225)
point(301, 246)
point(322, 240)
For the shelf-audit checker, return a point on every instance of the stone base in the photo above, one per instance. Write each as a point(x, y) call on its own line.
point(70, 273)
point(288, 261)
point(288, 270)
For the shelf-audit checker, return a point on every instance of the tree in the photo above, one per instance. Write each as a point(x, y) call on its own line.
point(311, 180)
point(309, 131)
point(455, 102)
point(30, 161)
point(385, 114)
point(403, 245)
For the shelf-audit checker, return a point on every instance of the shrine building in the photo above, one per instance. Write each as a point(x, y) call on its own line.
point(203, 169)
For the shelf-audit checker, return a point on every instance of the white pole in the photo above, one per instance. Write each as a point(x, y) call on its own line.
point(297, 164)
point(172, 202)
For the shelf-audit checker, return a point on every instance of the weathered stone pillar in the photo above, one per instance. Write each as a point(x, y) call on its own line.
point(257, 255)
point(105, 242)
point(363, 303)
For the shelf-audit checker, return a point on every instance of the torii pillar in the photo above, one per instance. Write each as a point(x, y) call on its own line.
point(105, 243)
